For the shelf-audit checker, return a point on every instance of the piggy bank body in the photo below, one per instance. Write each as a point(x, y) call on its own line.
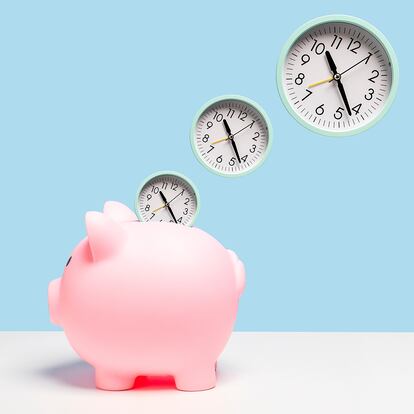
point(147, 299)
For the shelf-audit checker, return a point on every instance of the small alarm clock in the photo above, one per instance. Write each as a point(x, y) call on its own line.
point(231, 135)
point(337, 75)
point(167, 196)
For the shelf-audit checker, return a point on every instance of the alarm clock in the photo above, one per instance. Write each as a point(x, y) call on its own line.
point(231, 135)
point(167, 196)
point(337, 75)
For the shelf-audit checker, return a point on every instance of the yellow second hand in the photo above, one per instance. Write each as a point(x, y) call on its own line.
point(220, 140)
point(320, 82)
point(159, 208)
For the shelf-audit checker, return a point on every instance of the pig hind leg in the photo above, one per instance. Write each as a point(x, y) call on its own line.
point(196, 378)
point(107, 380)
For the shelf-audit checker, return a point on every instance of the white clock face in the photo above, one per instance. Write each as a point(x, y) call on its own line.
point(337, 77)
point(167, 198)
point(231, 136)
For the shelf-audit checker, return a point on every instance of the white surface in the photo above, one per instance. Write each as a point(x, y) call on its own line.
point(266, 372)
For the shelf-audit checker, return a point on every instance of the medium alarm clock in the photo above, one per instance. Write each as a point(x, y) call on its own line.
point(167, 196)
point(231, 135)
point(337, 75)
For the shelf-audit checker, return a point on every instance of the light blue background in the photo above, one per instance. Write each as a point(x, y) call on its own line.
point(95, 96)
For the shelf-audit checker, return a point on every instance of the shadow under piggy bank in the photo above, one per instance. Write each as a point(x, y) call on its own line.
point(81, 375)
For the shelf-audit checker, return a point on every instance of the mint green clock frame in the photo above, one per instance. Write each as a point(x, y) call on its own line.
point(248, 101)
point(338, 19)
point(171, 173)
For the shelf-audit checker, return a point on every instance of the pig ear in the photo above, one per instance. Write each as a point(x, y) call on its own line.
point(105, 237)
point(118, 212)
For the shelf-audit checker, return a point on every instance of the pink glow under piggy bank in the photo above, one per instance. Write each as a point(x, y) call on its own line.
point(147, 299)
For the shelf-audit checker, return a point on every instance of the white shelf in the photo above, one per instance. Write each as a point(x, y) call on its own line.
point(284, 373)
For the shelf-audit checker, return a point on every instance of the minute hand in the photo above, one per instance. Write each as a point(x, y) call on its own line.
point(356, 64)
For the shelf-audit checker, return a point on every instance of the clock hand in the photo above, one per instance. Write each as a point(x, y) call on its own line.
point(321, 82)
point(230, 137)
point(165, 205)
point(168, 206)
point(227, 138)
point(356, 64)
point(337, 77)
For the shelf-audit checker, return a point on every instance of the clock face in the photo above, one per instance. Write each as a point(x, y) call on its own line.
point(337, 77)
point(231, 135)
point(167, 197)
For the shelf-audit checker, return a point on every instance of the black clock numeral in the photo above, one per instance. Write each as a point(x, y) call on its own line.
point(230, 113)
point(211, 149)
point(370, 94)
point(357, 108)
point(244, 158)
point(179, 220)
point(309, 94)
point(338, 114)
point(185, 211)
point(376, 74)
point(155, 190)
point(152, 216)
point(232, 161)
point(205, 138)
point(209, 124)
point(305, 59)
point(164, 185)
point(336, 37)
point(174, 186)
point(149, 196)
point(299, 78)
point(218, 117)
point(242, 115)
point(356, 43)
point(319, 48)
point(187, 200)
point(219, 159)
point(147, 207)
point(256, 135)
point(320, 110)
point(253, 149)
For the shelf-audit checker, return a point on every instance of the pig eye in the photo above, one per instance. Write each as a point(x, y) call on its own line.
point(70, 258)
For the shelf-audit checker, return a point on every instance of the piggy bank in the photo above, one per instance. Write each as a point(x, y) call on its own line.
point(147, 299)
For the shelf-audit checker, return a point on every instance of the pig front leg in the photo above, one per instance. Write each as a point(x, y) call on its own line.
point(111, 381)
point(197, 378)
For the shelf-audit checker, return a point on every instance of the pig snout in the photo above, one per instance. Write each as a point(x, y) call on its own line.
point(53, 292)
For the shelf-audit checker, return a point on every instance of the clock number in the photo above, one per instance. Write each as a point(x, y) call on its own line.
point(357, 108)
point(256, 135)
point(185, 211)
point(149, 196)
point(179, 220)
point(320, 110)
point(153, 215)
point(338, 114)
point(334, 40)
point(147, 207)
point(318, 47)
point(205, 138)
point(187, 200)
point(309, 94)
point(155, 190)
point(164, 185)
point(305, 59)
point(253, 148)
point(219, 159)
point(209, 124)
point(355, 48)
point(174, 186)
point(211, 149)
point(252, 123)
point(299, 78)
point(232, 161)
point(244, 158)
point(230, 113)
point(242, 115)
point(218, 117)
point(370, 94)
point(376, 74)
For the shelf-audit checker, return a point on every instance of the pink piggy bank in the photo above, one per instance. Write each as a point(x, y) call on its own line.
point(147, 299)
